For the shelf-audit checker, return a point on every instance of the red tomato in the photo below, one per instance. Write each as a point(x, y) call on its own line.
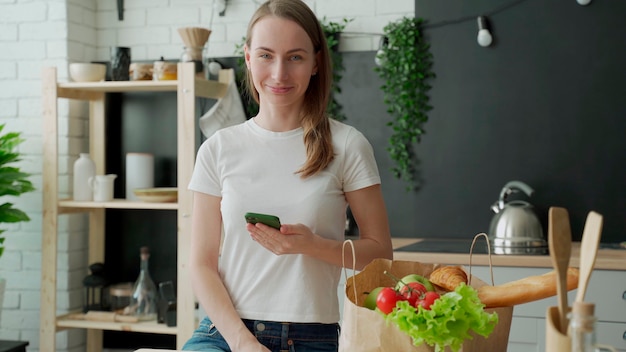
point(427, 300)
point(412, 292)
point(387, 299)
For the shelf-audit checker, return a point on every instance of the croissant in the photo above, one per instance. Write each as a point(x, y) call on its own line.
point(448, 277)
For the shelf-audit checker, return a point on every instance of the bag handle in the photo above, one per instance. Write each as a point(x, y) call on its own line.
point(343, 262)
point(488, 252)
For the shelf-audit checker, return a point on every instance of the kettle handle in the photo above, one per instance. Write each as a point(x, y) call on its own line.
point(513, 186)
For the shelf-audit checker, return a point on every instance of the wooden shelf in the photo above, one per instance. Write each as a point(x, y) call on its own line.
point(84, 90)
point(64, 322)
point(71, 206)
point(122, 86)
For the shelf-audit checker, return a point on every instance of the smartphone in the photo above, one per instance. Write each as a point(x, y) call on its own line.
point(269, 220)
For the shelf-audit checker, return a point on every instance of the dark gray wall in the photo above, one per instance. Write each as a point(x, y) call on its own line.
point(544, 104)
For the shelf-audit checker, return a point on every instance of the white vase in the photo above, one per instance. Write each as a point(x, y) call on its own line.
point(139, 173)
point(84, 168)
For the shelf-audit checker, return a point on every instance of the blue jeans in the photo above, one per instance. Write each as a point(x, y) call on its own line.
point(278, 337)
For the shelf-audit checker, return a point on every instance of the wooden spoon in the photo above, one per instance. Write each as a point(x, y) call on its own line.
point(588, 251)
point(560, 244)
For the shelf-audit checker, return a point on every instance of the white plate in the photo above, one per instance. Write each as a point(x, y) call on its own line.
point(157, 195)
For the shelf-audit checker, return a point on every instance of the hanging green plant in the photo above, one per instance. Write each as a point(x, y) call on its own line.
point(332, 31)
point(405, 67)
point(250, 106)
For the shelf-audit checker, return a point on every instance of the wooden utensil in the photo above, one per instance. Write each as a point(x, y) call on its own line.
point(588, 251)
point(560, 244)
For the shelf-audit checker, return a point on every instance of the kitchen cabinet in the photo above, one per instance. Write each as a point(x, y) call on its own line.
point(187, 88)
point(607, 289)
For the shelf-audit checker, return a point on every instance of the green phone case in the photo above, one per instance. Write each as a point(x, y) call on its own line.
point(269, 220)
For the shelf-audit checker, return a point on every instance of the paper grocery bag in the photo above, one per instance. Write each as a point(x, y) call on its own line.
point(365, 330)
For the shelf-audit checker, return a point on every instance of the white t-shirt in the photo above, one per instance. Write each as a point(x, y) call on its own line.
point(253, 170)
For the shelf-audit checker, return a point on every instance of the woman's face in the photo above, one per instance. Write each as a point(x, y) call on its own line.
point(281, 59)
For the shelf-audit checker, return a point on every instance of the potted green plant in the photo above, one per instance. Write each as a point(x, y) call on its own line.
point(405, 67)
point(13, 182)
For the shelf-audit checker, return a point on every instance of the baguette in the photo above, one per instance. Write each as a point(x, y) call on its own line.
point(528, 289)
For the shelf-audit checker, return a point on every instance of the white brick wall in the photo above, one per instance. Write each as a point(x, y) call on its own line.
point(39, 33)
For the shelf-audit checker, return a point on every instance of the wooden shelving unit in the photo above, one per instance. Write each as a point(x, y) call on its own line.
point(187, 88)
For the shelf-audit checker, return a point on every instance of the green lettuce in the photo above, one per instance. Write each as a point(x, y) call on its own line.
point(448, 322)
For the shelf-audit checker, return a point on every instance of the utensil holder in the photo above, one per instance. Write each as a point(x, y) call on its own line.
point(555, 340)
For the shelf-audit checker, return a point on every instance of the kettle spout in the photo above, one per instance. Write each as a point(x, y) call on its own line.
point(495, 207)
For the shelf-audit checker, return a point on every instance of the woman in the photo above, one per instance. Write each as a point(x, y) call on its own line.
point(276, 290)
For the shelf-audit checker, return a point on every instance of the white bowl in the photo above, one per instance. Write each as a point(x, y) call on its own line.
point(87, 72)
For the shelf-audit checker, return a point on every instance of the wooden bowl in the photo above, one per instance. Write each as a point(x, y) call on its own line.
point(157, 195)
point(87, 72)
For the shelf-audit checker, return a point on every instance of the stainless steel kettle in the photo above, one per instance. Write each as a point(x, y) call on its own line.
point(515, 227)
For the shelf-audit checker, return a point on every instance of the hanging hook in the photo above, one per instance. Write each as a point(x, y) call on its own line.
point(120, 10)
point(220, 6)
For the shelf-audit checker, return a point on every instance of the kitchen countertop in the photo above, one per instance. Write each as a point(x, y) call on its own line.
point(607, 259)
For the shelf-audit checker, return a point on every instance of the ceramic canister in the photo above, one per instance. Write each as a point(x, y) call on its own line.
point(139, 173)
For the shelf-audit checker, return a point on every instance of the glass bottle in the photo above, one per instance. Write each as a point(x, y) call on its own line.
point(143, 302)
point(582, 329)
point(84, 168)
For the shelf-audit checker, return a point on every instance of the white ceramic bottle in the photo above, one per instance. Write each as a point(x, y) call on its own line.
point(84, 168)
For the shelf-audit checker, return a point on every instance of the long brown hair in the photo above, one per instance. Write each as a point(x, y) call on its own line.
point(315, 121)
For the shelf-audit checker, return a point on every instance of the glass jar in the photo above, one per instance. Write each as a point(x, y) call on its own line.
point(582, 329)
point(120, 296)
point(164, 71)
point(194, 54)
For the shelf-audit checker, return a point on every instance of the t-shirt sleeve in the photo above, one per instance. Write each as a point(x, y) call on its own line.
point(360, 169)
point(205, 176)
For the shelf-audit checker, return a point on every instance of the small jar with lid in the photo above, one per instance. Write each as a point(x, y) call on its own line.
point(119, 295)
point(164, 71)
